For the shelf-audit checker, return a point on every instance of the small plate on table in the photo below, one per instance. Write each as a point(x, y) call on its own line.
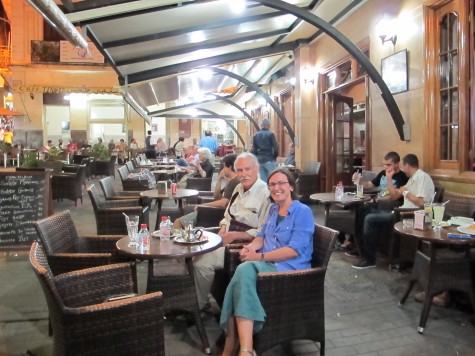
point(470, 229)
point(180, 240)
point(442, 223)
point(461, 220)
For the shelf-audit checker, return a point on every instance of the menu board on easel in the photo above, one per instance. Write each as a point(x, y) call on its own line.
point(24, 198)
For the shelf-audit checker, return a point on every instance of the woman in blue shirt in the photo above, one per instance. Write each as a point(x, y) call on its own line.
point(284, 243)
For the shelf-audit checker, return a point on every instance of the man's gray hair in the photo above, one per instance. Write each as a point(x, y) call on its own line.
point(205, 151)
point(265, 123)
point(247, 155)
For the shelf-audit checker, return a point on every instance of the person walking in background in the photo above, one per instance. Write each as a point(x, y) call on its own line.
point(209, 142)
point(161, 147)
point(149, 149)
point(265, 148)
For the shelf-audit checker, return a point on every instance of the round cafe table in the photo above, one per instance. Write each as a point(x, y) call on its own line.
point(327, 199)
point(436, 268)
point(179, 196)
point(175, 282)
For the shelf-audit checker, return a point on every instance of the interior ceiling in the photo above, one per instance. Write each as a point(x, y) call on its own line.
point(159, 48)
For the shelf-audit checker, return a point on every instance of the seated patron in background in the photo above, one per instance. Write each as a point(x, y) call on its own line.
point(161, 147)
point(72, 147)
point(285, 243)
point(203, 167)
point(133, 144)
point(111, 145)
point(221, 196)
point(60, 143)
point(179, 146)
point(48, 146)
point(245, 213)
point(290, 160)
point(384, 201)
point(419, 189)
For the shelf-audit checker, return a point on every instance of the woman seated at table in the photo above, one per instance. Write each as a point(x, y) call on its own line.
point(284, 243)
point(203, 167)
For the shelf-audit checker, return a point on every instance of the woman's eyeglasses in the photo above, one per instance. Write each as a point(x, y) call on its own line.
point(276, 184)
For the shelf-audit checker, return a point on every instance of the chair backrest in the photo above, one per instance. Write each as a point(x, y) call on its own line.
point(96, 199)
point(130, 166)
point(107, 187)
point(203, 184)
point(57, 232)
point(324, 239)
point(459, 204)
point(123, 172)
point(439, 194)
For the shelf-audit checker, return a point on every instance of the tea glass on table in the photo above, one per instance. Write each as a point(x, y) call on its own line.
point(132, 222)
point(438, 209)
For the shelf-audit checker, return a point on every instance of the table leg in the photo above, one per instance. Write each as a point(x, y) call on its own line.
point(159, 209)
point(327, 212)
point(197, 313)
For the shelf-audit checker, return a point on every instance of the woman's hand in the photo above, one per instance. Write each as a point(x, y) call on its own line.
point(248, 254)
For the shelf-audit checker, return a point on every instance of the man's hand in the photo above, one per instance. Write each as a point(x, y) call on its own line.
point(390, 173)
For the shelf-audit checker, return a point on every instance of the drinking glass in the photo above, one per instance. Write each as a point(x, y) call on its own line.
point(359, 190)
point(438, 210)
point(132, 223)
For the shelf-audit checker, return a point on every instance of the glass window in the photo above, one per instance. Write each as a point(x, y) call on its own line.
point(449, 93)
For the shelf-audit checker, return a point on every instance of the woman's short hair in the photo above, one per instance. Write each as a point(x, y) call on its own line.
point(290, 178)
point(247, 155)
point(229, 160)
point(205, 151)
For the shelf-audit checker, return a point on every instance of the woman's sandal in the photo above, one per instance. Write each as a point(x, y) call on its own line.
point(250, 352)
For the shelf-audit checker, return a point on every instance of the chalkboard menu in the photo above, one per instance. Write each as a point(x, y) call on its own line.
point(24, 198)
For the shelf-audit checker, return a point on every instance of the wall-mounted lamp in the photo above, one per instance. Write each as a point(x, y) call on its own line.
point(307, 77)
point(386, 30)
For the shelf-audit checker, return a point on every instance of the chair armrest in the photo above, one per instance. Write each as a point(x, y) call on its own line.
point(71, 261)
point(120, 203)
point(97, 243)
point(403, 212)
point(94, 285)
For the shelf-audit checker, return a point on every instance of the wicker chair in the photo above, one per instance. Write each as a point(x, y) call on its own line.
point(131, 184)
point(105, 168)
point(85, 322)
point(307, 184)
point(200, 184)
point(69, 185)
point(110, 193)
point(293, 301)
point(66, 251)
point(109, 214)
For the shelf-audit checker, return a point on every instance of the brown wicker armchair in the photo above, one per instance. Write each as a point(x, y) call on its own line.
point(66, 251)
point(131, 184)
point(110, 213)
point(293, 301)
point(69, 185)
point(200, 184)
point(85, 322)
point(105, 168)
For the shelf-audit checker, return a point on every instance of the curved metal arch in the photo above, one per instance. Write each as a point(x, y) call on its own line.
point(351, 48)
point(227, 123)
point(229, 101)
point(261, 93)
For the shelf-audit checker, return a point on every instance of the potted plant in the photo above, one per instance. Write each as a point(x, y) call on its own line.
point(29, 160)
point(53, 153)
point(99, 152)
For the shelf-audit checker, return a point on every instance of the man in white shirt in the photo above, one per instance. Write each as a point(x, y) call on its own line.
point(419, 189)
point(249, 205)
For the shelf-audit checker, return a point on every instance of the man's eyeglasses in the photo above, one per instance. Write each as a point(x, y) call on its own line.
point(276, 184)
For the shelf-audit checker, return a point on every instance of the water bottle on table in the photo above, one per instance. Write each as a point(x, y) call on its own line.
point(339, 191)
point(144, 238)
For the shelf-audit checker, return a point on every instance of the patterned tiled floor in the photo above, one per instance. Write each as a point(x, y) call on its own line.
point(362, 316)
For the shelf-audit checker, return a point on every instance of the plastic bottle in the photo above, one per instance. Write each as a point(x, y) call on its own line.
point(165, 228)
point(143, 238)
point(339, 191)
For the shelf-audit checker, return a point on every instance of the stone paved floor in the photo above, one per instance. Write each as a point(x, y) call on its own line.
point(362, 317)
